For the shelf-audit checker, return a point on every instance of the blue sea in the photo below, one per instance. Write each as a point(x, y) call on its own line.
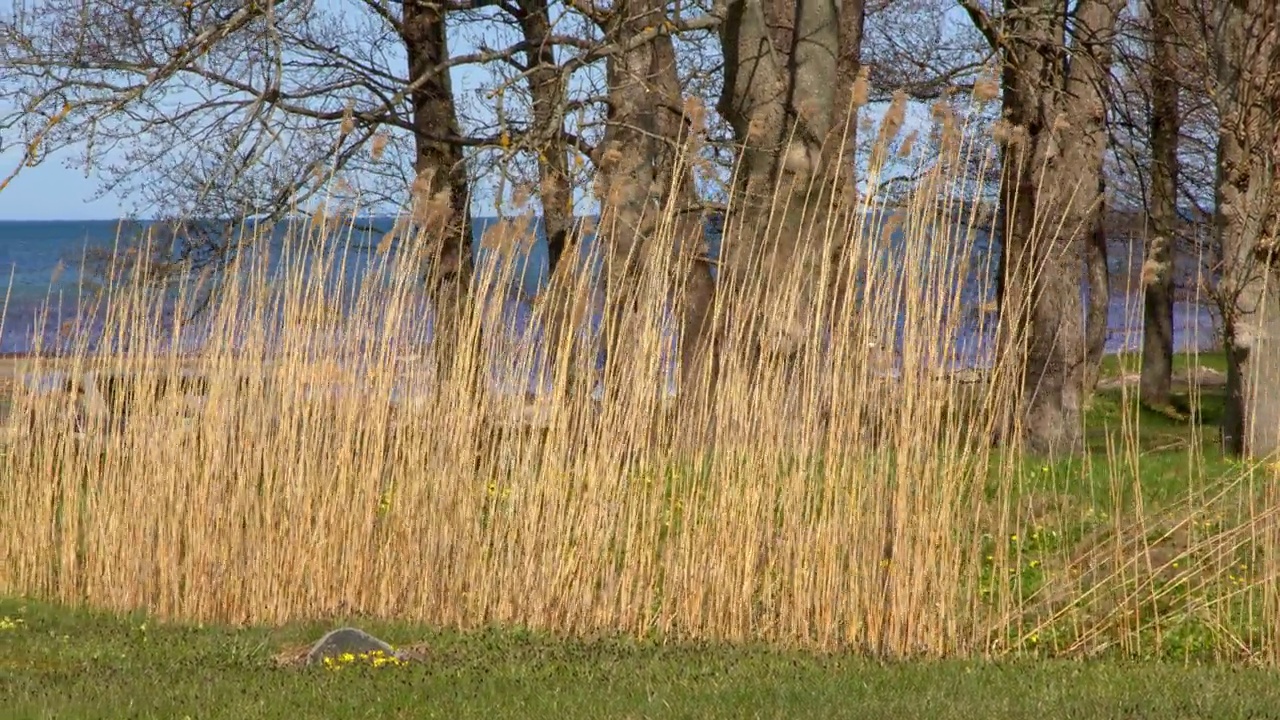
point(39, 267)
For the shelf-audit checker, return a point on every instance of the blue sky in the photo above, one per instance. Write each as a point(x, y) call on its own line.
point(54, 191)
point(51, 192)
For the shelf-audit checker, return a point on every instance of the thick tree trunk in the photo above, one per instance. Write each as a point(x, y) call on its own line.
point(844, 132)
point(796, 131)
point(1247, 215)
point(1052, 165)
point(1158, 260)
point(1262, 388)
point(778, 96)
point(438, 164)
point(1251, 417)
point(1156, 382)
point(1048, 281)
point(646, 182)
point(842, 145)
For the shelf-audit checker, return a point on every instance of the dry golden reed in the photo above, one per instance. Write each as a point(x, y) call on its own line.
point(696, 113)
point(378, 145)
point(890, 126)
point(987, 88)
point(341, 463)
point(348, 119)
point(861, 92)
point(908, 144)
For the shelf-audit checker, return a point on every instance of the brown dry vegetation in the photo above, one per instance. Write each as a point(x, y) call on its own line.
point(409, 495)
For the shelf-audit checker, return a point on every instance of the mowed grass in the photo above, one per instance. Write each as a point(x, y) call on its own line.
point(57, 662)
point(1114, 365)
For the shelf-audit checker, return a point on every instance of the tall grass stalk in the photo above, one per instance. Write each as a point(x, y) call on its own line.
point(340, 461)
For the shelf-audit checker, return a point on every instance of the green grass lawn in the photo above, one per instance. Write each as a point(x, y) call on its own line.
point(1130, 362)
point(65, 663)
point(1174, 451)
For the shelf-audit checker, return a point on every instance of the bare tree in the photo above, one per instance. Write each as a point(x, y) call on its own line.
point(646, 177)
point(1054, 62)
point(920, 48)
point(549, 99)
point(1164, 143)
point(886, 47)
point(438, 163)
point(540, 81)
point(1158, 262)
point(1246, 40)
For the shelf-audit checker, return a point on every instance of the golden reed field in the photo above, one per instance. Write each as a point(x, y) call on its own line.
point(308, 462)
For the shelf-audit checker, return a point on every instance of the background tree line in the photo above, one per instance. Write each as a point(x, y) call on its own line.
point(1155, 120)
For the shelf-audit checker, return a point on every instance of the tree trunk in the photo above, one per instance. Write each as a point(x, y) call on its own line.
point(440, 171)
point(1261, 388)
point(1052, 164)
point(1156, 383)
point(796, 131)
point(844, 132)
point(548, 94)
point(841, 149)
point(1099, 295)
point(778, 96)
point(1247, 214)
point(1158, 260)
point(646, 181)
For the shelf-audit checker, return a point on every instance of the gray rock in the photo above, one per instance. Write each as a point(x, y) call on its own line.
point(348, 640)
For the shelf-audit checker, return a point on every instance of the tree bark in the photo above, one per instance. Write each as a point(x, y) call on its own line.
point(796, 132)
point(780, 58)
point(844, 132)
point(547, 92)
point(841, 149)
point(1257, 385)
point(1158, 260)
point(438, 165)
point(1052, 164)
point(1247, 213)
point(646, 182)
